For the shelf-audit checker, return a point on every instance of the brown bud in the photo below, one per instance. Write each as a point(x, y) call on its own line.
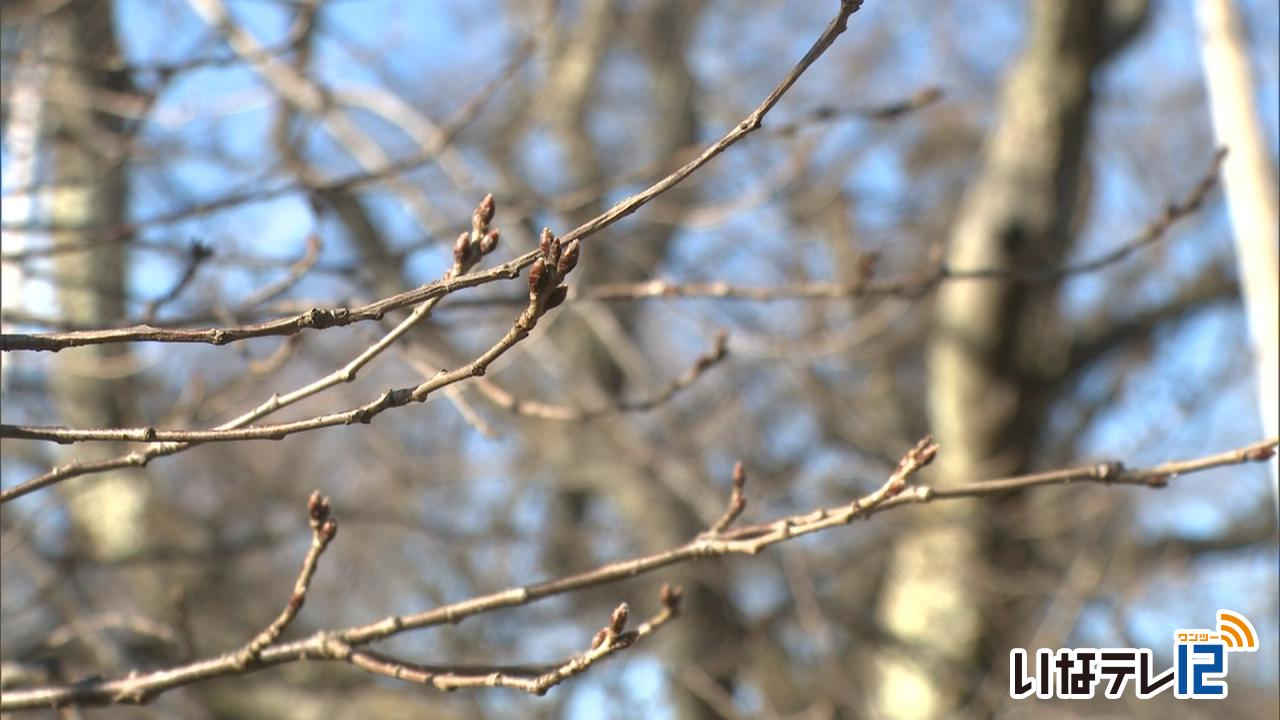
point(553, 254)
point(600, 637)
point(489, 241)
point(568, 259)
point(555, 297)
point(618, 620)
point(670, 596)
point(1255, 455)
point(462, 249)
point(329, 529)
point(318, 508)
point(537, 281)
point(544, 241)
point(483, 215)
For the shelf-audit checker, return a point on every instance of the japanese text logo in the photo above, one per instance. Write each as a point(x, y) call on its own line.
point(1199, 671)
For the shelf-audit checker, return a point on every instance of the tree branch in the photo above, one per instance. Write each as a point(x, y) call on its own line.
point(320, 318)
point(720, 540)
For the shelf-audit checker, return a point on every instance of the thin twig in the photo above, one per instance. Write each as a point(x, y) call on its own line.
point(564, 413)
point(910, 286)
point(297, 270)
point(317, 318)
point(536, 681)
point(737, 502)
point(452, 127)
point(469, 250)
point(321, 318)
point(366, 412)
point(323, 530)
point(540, 301)
point(750, 540)
point(196, 255)
point(826, 113)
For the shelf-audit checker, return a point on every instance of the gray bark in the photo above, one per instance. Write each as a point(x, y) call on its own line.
point(992, 345)
point(88, 197)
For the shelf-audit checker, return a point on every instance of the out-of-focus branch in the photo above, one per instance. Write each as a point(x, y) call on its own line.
point(297, 270)
point(827, 113)
point(582, 197)
point(196, 256)
point(547, 411)
point(1156, 229)
point(910, 286)
point(469, 249)
point(389, 399)
point(305, 94)
point(319, 318)
point(1108, 334)
point(1256, 529)
point(457, 122)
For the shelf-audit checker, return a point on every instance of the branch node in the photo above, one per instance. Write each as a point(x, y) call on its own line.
point(1108, 471)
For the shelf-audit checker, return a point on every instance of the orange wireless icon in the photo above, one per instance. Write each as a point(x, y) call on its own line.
point(1236, 632)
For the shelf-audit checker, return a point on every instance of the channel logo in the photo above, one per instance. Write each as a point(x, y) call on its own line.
point(1199, 671)
point(1236, 632)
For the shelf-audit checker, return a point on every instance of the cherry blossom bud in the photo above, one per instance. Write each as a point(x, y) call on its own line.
point(600, 637)
point(538, 276)
point(568, 259)
point(618, 620)
point(555, 297)
point(483, 215)
point(462, 249)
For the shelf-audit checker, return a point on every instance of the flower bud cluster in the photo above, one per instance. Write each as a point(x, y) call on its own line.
point(479, 241)
point(547, 273)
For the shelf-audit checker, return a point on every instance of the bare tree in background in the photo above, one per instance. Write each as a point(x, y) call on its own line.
point(995, 355)
point(1251, 183)
point(564, 315)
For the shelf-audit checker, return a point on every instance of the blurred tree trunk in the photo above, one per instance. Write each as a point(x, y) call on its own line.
point(21, 140)
point(993, 348)
point(600, 339)
point(1250, 184)
point(113, 515)
point(88, 198)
